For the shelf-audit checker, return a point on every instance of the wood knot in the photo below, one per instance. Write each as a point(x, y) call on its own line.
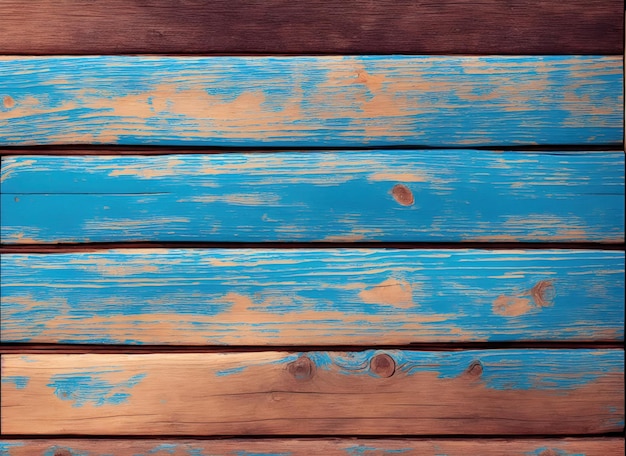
point(548, 453)
point(543, 293)
point(402, 195)
point(302, 368)
point(8, 102)
point(383, 365)
point(62, 452)
point(475, 369)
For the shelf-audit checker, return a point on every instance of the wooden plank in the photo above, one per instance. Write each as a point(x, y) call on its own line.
point(307, 447)
point(401, 196)
point(312, 296)
point(312, 101)
point(316, 393)
point(315, 26)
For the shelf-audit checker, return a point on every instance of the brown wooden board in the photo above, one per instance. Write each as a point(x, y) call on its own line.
point(307, 447)
point(312, 27)
point(392, 392)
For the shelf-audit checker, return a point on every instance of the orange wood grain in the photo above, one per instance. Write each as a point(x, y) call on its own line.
point(316, 393)
point(307, 447)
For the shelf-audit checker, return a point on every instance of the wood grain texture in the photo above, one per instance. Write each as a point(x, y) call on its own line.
point(317, 26)
point(391, 196)
point(308, 447)
point(312, 296)
point(312, 101)
point(316, 393)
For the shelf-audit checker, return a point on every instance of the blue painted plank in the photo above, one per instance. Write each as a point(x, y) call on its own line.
point(311, 296)
point(589, 446)
point(312, 101)
point(391, 392)
point(408, 195)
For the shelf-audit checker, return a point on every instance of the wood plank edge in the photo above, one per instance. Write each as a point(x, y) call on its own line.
point(330, 446)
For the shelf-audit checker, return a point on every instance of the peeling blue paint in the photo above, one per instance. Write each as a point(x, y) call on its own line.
point(363, 450)
point(234, 370)
point(183, 204)
point(502, 369)
point(453, 296)
point(172, 448)
point(19, 381)
point(541, 113)
point(5, 447)
point(52, 451)
point(248, 453)
point(554, 451)
point(93, 388)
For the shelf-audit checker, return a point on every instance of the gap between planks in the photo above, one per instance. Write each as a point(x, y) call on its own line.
point(100, 246)
point(157, 349)
point(113, 150)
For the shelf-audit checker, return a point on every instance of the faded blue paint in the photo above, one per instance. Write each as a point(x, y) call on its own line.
point(234, 370)
point(49, 298)
point(5, 447)
point(460, 195)
point(19, 381)
point(93, 388)
point(554, 452)
point(364, 450)
point(174, 448)
point(573, 100)
point(248, 453)
point(558, 370)
point(52, 451)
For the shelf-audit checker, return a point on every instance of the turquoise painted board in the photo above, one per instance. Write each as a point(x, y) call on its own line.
point(312, 101)
point(408, 195)
point(390, 392)
point(312, 296)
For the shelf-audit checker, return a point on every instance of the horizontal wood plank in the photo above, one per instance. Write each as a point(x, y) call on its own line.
point(308, 447)
point(316, 393)
point(392, 196)
point(312, 101)
point(312, 296)
point(315, 26)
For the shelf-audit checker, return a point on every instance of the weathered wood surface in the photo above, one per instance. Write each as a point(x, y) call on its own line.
point(315, 26)
point(308, 447)
point(315, 393)
point(397, 195)
point(312, 296)
point(312, 101)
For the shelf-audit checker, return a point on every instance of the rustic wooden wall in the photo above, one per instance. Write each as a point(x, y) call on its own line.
point(335, 227)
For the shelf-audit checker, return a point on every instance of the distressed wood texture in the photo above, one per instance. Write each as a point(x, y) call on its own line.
point(398, 195)
point(315, 26)
point(358, 393)
point(312, 296)
point(312, 101)
point(308, 447)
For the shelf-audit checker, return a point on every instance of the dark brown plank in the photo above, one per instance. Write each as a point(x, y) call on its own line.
point(307, 447)
point(312, 27)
